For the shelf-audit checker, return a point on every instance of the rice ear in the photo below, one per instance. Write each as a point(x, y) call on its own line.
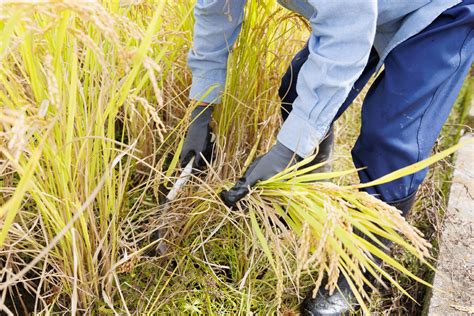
point(344, 223)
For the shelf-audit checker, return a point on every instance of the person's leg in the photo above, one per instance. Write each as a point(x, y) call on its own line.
point(402, 116)
point(406, 107)
point(287, 90)
point(288, 93)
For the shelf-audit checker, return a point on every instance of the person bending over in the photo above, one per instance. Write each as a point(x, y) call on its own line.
point(426, 48)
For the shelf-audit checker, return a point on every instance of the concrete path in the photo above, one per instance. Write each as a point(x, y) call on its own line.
point(453, 292)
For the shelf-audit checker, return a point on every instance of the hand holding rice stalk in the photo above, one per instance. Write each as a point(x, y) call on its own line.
point(341, 231)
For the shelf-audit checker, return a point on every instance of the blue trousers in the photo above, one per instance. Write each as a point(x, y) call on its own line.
point(407, 105)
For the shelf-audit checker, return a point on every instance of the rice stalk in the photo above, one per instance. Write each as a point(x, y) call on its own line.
point(341, 231)
point(249, 115)
point(74, 87)
point(93, 99)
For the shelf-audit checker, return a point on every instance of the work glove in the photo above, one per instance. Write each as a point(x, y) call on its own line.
point(198, 142)
point(276, 160)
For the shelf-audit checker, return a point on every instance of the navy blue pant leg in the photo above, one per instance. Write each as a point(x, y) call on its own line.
point(287, 90)
point(409, 102)
point(406, 107)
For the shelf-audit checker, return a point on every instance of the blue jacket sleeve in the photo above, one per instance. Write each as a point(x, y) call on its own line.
point(217, 25)
point(342, 36)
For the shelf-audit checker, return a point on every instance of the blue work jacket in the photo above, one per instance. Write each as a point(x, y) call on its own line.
point(343, 33)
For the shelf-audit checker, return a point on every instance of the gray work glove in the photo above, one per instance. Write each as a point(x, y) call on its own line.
point(198, 139)
point(276, 160)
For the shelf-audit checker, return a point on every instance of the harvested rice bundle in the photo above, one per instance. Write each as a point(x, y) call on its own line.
point(335, 230)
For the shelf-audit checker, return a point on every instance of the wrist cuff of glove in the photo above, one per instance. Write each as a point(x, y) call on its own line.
point(203, 112)
point(284, 151)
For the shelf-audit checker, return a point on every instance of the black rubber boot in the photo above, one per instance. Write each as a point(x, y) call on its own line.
point(343, 301)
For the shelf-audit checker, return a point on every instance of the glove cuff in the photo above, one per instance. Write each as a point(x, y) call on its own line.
point(284, 151)
point(203, 112)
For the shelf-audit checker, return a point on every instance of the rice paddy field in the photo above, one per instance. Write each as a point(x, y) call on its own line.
point(93, 112)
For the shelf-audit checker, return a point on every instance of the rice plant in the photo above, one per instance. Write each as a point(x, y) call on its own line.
point(93, 111)
point(79, 89)
point(340, 230)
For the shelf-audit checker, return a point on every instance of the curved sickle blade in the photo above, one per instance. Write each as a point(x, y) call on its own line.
point(182, 180)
